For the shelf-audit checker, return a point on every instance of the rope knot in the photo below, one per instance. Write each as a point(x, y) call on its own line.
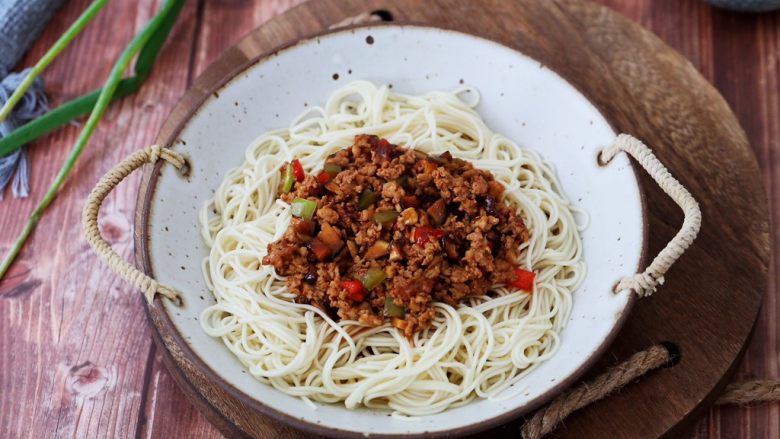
point(622, 143)
point(643, 284)
point(151, 290)
point(607, 154)
point(154, 153)
point(174, 158)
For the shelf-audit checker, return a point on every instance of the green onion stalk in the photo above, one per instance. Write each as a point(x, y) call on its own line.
point(148, 42)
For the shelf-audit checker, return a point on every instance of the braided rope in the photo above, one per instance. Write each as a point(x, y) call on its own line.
point(750, 392)
point(107, 183)
point(645, 283)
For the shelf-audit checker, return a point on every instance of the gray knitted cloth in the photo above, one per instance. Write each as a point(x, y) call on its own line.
point(747, 5)
point(21, 21)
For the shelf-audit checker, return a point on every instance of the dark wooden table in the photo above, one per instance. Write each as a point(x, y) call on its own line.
point(76, 355)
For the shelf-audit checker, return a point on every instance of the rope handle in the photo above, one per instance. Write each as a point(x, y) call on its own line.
point(645, 283)
point(105, 185)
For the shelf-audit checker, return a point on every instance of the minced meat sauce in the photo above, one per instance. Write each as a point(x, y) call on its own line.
point(383, 232)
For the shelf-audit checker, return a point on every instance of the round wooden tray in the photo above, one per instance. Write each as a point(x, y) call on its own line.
point(711, 300)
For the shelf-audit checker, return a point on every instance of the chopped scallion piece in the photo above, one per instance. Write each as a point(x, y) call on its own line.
point(373, 277)
point(303, 208)
point(393, 310)
point(332, 169)
point(386, 216)
point(367, 198)
point(289, 179)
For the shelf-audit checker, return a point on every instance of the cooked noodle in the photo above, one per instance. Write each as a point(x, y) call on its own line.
point(477, 350)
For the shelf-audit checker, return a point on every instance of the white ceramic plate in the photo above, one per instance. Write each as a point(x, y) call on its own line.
point(520, 99)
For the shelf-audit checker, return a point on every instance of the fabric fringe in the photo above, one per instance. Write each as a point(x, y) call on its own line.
point(16, 166)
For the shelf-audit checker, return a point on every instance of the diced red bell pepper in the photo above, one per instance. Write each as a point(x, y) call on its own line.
point(423, 234)
point(524, 280)
point(328, 173)
point(298, 170)
point(355, 290)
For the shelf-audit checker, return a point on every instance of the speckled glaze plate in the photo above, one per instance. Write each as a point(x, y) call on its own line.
point(520, 98)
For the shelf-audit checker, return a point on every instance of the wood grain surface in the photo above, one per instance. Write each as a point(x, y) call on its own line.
point(77, 355)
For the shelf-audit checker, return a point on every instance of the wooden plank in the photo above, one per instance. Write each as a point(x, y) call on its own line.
point(751, 88)
point(75, 342)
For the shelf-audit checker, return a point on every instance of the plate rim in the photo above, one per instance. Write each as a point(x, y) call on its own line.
point(148, 185)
